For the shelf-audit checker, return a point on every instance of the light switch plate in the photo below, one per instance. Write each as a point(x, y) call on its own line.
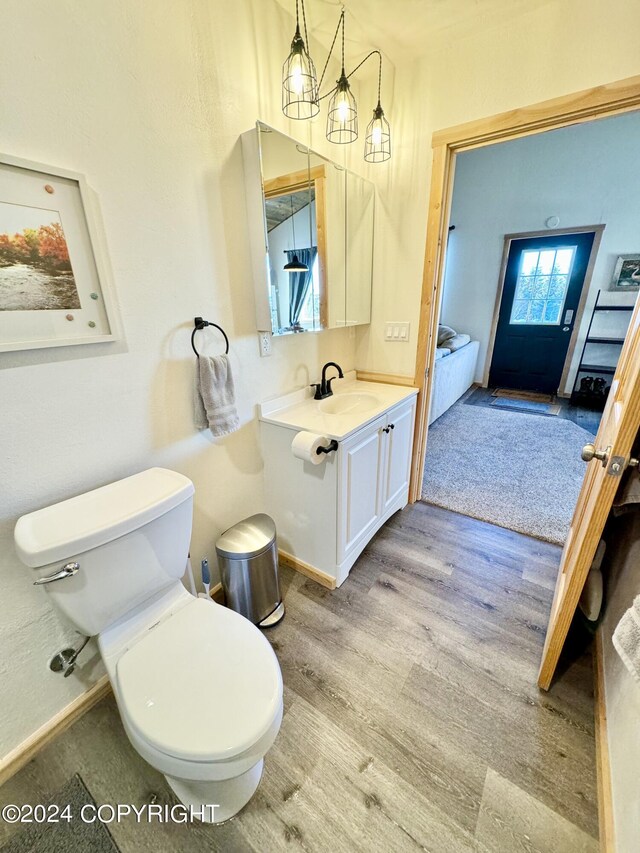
point(396, 331)
point(264, 340)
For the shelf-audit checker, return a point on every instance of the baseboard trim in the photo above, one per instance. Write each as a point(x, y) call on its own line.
point(603, 766)
point(386, 378)
point(217, 594)
point(305, 569)
point(22, 754)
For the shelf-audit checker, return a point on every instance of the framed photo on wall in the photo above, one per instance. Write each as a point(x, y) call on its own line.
point(53, 284)
point(626, 275)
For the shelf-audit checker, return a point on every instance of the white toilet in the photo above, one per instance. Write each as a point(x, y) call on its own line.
point(198, 686)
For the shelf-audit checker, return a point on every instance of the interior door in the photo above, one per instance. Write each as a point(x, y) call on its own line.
point(542, 285)
point(612, 446)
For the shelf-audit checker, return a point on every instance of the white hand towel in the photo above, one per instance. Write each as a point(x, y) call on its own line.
point(626, 639)
point(215, 398)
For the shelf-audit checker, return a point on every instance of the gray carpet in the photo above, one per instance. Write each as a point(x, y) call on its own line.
point(74, 836)
point(513, 469)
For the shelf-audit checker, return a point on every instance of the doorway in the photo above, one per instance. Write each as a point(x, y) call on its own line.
point(542, 288)
point(623, 407)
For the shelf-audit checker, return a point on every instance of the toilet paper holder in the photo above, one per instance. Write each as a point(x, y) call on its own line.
point(333, 445)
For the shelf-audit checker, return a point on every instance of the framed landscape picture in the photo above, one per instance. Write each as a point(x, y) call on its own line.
point(626, 275)
point(53, 289)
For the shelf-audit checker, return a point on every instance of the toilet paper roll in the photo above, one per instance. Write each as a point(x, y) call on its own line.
point(305, 446)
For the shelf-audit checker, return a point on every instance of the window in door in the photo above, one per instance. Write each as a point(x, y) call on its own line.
point(541, 287)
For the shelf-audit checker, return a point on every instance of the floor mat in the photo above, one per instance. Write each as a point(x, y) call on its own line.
point(74, 836)
point(532, 406)
point(513, 394)
point(513, 469)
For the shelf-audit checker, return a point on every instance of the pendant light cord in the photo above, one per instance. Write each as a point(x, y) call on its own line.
point(324, 70)
point(373, 52)
point(293, 224)
point(304, 24)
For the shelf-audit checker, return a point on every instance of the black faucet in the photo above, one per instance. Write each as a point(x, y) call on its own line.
point(323, 388)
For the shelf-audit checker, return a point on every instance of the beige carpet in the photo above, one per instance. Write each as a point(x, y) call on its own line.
point(512, 469)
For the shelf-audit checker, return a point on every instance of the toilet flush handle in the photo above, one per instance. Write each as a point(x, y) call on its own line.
point(65, 572)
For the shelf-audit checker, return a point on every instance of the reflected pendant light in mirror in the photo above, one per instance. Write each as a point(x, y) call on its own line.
point(294, 265)
point(377, 140)
point(299, 81)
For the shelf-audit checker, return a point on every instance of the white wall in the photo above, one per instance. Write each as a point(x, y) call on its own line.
point(552, 50)
point(148, 99)
point(621, 691)
point(586, 175)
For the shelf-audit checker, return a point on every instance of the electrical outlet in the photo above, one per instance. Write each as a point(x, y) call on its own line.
point(396, 331)
point(264, 340)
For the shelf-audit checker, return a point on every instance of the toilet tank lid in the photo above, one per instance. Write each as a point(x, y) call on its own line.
point(92, 519)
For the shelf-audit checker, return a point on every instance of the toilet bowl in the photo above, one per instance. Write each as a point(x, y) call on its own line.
point(198, 686)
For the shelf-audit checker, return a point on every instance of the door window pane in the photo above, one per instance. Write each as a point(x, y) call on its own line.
point(542, 286)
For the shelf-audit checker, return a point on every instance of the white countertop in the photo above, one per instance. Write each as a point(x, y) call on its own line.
point(365, 402)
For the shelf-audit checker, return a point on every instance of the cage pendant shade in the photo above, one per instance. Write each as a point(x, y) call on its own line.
point(342, 117)
point(296, 265)
point(377, 140)
point(299, 82)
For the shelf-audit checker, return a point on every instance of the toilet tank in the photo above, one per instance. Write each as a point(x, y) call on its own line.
point(130, 539)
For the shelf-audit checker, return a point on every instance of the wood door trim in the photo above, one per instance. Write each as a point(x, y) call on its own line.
point(596, 230)
point(610, 98)
point(587, 105)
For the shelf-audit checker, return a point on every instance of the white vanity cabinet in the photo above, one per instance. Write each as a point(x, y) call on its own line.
point(373, 479)
point(326, 514)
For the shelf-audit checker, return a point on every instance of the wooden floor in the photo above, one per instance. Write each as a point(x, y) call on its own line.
point(412, 718)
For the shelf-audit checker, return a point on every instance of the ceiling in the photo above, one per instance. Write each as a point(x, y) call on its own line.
point(279, 208)
point(404, 28)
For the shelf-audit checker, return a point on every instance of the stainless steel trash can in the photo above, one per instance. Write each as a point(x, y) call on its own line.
point(248, 561)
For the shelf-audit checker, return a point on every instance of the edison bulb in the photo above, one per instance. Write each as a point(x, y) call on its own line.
point(376, 135)
point(297, 77)
point(343, 109)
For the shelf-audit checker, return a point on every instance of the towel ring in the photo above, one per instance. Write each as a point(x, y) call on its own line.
point(198, 324)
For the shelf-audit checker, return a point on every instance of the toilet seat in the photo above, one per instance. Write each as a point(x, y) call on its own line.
point(203, 685)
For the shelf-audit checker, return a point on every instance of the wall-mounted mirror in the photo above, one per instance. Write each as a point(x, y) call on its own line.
point(311, 227)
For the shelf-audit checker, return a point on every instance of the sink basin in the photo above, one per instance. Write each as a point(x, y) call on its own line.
point(351, 403)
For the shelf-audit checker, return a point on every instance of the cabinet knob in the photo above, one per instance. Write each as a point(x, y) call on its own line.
point(392, 426)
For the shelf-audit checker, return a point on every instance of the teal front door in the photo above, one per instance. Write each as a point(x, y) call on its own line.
point(542, 287)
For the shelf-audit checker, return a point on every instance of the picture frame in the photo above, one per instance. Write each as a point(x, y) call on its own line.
point(54, 283)
point(626, 268)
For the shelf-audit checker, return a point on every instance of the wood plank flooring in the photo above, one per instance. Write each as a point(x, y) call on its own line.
point(412, 717)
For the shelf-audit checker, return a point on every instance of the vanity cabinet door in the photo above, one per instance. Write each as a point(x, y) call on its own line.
point(360, 483)
point(398, 441)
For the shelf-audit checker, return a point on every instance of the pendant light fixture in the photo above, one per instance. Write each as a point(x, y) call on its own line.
point(342, 117)
point(299, 81)
point(301, 95)
point(377, 140)
point(294, 265)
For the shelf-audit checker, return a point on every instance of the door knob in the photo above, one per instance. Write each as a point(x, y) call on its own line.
point(589, 452)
